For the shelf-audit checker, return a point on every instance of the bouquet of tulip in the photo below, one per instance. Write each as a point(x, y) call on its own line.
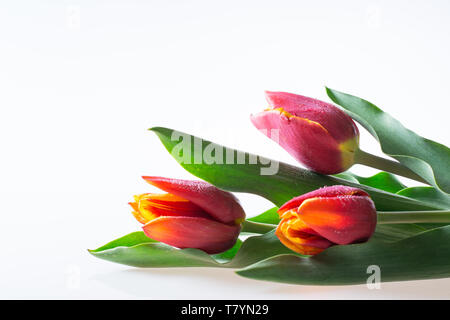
point(329, 226)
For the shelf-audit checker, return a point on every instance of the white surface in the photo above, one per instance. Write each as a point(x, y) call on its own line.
point(81, 81)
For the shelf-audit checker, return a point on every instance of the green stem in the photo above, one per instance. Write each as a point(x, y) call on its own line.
point(383, 164)
point(257, 227)
point(393, 217)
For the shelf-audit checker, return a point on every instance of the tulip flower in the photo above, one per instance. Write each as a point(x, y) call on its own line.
point(316, 133)
point(192, 214)
point(319, 135)
point(322, 218)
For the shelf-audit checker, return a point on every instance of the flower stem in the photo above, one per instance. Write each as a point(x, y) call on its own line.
point(393, 217)
point(257, 227)
point(394, 167)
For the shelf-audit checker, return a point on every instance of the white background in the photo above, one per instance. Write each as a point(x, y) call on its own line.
point(81, 81)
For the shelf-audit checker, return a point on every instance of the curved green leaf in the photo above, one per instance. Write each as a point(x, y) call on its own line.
point(286, 183)
point(136, 250)
point(226, 256)
point(427, 158)
point(396, 232)
point(269, 216)
point(128, 240)
point(423, 256)
point(258, 248)
point(382, 180)
point(347, 175)
point(389, 182)
point(156, 255)
point(427, 195)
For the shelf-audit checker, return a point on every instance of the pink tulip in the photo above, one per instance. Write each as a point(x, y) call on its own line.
point(316, 133)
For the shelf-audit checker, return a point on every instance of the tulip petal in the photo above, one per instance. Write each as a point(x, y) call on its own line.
point(340, 219)
point(298, 236)
point(307, 141)
point(333, 119)
point(171, 205)
point(191, 232)
point(325, 192)
point(149, 206)
point(221, 205)
point(308, 247)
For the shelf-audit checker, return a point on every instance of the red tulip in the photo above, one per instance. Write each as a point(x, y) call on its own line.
point(331, 215)
point(316, 133)
point(193, 214)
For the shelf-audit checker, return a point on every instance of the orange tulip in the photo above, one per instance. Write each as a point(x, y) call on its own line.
point(322, 218)
point(193, 214)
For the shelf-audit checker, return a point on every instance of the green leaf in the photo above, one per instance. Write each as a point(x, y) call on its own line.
point(347, 175)
point(423, 256)
point(226, 256)
point(427, 158)
point(269, 216)
point(382, 180)
point(129, 240)
point(135, 250)
point(287, 183)
point(396, 232)
point(388, 182)
point(427, 195)
point(258, 248)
